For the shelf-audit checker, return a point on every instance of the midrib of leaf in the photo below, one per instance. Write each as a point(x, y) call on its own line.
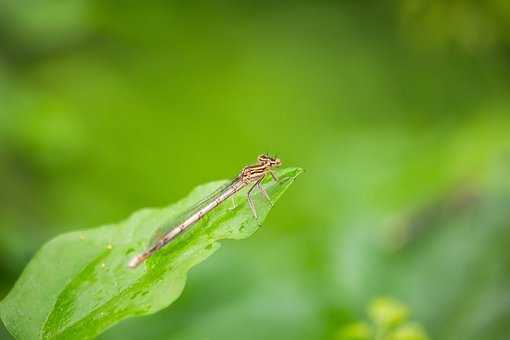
point(59, 316)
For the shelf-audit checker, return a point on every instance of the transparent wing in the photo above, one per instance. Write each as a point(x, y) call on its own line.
point(169, 225)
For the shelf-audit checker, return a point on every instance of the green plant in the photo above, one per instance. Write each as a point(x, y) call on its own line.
point(389, 320)
point(79, 284)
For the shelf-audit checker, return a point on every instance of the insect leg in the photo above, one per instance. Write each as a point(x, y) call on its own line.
point(276, 179)
point(234, 205)
point(264, 192)
point(250, 200)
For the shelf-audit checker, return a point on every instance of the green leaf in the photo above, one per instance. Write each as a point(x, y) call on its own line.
point(79, 283)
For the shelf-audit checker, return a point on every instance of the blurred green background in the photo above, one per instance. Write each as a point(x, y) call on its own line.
point(398, 111)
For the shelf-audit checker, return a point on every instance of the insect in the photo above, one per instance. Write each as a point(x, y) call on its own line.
point(251, 174)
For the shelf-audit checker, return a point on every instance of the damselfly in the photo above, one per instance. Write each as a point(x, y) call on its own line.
point(252, 174)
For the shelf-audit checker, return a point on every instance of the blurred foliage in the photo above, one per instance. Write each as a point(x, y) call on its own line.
point(388, 313)
point(470, 24)
point(388, 321)
point(104, 110)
